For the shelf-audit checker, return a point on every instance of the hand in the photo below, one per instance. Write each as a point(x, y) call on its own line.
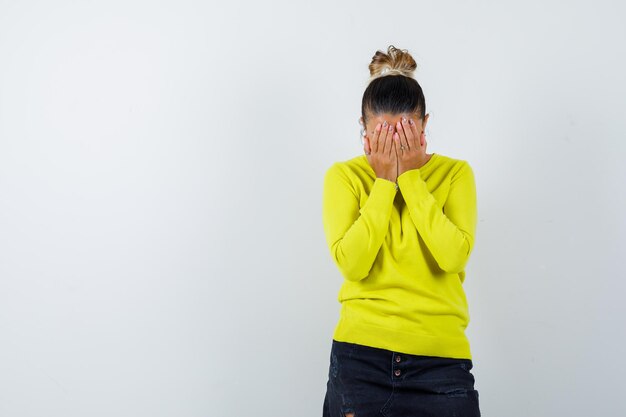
point(381, 152)
point(413, 155)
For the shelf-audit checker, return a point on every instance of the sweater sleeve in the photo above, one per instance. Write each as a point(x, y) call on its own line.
point(448, 231)
point(355, 234)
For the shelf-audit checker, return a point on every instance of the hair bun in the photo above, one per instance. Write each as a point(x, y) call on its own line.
point(394, 62)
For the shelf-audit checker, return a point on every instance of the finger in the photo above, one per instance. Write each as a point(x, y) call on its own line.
point(387, 149)
point(397, 143)
point(375, 136)
point(415, 134)
point(385, 135)
point(390, 149)
point(405, 133)
point(397, 152)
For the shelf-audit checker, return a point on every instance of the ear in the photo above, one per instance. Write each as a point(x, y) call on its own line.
point(425, 121)
point(361, 120)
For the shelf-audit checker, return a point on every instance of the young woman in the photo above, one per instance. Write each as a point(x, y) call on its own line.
point(400, 226)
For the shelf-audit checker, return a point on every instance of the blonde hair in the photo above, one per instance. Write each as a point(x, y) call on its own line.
point(394, 62)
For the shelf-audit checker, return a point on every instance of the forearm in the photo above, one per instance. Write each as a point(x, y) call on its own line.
point(450, 242)
point(355, 235)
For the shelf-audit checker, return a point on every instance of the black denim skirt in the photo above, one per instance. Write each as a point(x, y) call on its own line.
point(368, 382)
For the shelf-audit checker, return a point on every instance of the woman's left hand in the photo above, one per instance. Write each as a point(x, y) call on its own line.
point(413, 141)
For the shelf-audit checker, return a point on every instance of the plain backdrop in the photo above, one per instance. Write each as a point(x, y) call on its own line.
point(161, 167)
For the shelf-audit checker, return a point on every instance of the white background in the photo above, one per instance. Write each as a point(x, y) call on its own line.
point(161, 167)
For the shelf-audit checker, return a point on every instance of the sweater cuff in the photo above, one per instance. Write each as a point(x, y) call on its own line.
point(382, 194)
point(384, 186)
point(412, 181)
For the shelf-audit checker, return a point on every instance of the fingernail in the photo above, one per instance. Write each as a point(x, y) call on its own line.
point(385, 124)
point(404, 119)
point(411, 121)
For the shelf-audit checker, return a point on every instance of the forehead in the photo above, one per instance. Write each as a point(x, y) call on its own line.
point(390, 117)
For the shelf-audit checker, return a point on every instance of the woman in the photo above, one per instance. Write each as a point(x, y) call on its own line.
point(400, 226)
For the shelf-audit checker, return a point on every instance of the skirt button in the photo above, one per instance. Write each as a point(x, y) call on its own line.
point(397, 372)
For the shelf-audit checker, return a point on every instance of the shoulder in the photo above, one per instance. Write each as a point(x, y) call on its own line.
point(451, 161)
point(454, 166)
point(458, 171)
point(355, 167)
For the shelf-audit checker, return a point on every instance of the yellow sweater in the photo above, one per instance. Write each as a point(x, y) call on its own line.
point(402, 253)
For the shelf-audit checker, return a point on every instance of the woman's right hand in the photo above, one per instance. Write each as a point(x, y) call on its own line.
point(381, 152)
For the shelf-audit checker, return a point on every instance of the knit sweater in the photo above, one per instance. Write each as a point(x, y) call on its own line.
point(402, 251)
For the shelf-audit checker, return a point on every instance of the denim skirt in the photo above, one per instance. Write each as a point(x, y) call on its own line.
point(368, 382)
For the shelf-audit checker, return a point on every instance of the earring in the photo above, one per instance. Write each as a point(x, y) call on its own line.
point(362, 134)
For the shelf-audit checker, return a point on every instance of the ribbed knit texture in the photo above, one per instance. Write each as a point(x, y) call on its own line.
point(402, 254)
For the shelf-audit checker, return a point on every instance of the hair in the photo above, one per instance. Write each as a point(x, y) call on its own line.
point(392, 88)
